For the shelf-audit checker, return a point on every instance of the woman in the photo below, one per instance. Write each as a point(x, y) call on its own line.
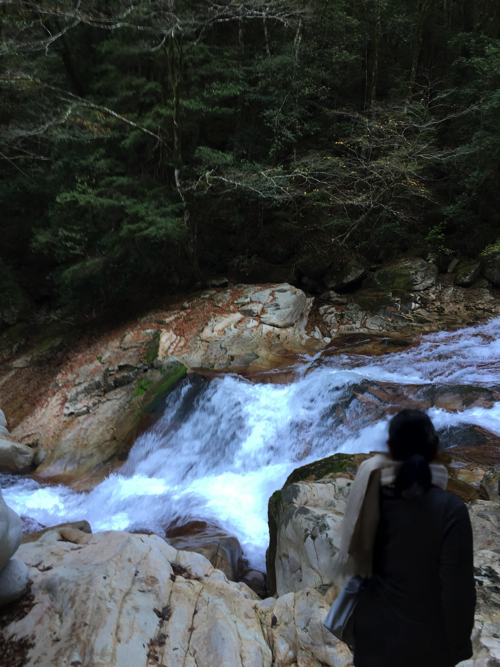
point(416, 608)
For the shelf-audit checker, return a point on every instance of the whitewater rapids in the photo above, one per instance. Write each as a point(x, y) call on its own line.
point(222, 447)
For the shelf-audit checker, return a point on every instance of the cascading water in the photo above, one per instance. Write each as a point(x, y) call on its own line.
point(222, 447)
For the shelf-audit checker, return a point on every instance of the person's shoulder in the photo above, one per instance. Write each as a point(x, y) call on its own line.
point(447, 499)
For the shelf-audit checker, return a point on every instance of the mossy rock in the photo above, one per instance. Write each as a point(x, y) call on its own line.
point(152, 347)
point(315, 263)
point(467, 275)
point(491, 267)
point(372, 301)
point(332, 465)
point(159, 392)
point(409, 276)
point(16, 304)
point(13, 340)
point(346, 278)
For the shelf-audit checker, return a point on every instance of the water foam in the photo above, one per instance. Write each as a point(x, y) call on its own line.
point(222, 447)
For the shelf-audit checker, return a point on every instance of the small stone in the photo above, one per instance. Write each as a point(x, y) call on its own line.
point(452, 265)
point(218, 282)
point(333, 297)
point(252, 309)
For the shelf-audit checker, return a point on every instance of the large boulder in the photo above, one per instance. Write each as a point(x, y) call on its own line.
point(304, 515)
point(491, 267)
point(115, 599)
point(341, 279)
point(465, 276)
point(308, 534)
point(13, 573)
point(308, 515)
point(283, 305)
point(411, 276)
point(13, 455)
point(15, 302)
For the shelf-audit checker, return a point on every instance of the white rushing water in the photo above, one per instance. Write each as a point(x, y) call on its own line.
point(222, 447)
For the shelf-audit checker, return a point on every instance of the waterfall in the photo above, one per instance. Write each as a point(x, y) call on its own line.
point(223, 446)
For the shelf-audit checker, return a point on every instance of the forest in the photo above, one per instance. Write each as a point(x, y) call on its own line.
point(147, 146)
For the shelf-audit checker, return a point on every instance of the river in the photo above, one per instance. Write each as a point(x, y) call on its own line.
point(223, 446)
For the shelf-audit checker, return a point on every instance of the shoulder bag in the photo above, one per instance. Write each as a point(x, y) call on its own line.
point(340, 619)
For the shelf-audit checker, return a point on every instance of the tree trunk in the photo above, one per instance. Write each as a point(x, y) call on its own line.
point(376, 48)
point(175, 63)
point(423, 8)
point(297, 41)
point(266, 37)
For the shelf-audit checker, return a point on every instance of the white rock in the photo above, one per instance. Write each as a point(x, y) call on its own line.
point(11, 532)
point(252, 309)
point(119, 593)
point(216, 329)
point(14, 455)
point(169, 344)
point(13, 581)
point(118, 599)
point(308, 533)
point(283, 305)
point(3, 420)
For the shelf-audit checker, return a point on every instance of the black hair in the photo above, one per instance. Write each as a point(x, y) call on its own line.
point(413, 440)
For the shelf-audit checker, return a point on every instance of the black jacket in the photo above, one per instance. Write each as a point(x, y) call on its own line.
point(418, 608)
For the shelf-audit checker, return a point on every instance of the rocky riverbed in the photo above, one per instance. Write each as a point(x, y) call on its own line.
point(321, 372)
point(134, 599)
point(77, 399)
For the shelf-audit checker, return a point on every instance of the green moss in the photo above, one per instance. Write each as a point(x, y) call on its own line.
point(54, 330)
point(14, 337)
point(491, 249)
point(322, 468)
point(373, 302)
point(142, 386)
point(276, 497)
point(161, 392)
point(151, 349)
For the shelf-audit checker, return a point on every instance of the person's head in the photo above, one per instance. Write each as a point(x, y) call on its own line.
point(414, 442)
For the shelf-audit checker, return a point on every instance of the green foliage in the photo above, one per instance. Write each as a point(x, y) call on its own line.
point(492, 248)
point(147, 143)
point(142, 386)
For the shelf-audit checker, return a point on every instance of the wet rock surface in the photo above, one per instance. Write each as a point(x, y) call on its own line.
point(77, 399)
point(221, 549)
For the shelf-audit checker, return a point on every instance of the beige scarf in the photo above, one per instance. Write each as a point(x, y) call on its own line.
point(362, 513)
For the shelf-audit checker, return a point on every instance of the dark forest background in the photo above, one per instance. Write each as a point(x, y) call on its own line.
point(148, 146)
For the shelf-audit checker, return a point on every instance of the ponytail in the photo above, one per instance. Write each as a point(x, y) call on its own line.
point(413, 441)
point(414, 476)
